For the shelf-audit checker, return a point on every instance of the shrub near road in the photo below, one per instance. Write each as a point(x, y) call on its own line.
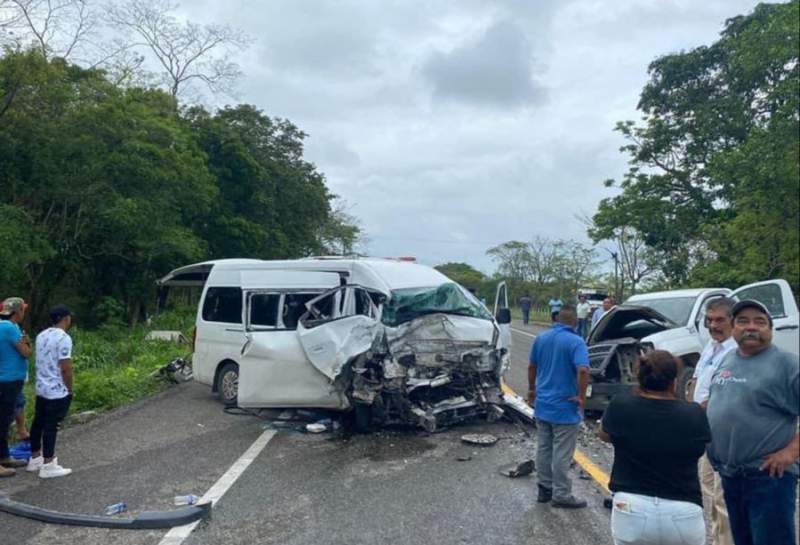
point(114, 364)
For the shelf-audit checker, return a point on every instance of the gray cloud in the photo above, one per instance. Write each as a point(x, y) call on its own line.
point(496, 69)
point(426, 117)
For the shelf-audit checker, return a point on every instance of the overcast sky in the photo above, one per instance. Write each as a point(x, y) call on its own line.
point(453, 126)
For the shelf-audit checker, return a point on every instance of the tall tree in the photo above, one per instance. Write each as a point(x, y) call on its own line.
point(717, 144)
point(464, 274)
point(272, 203)
point(109, 178)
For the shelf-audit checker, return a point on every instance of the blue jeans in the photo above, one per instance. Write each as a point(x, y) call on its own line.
point(583, 327)
point(761, 508)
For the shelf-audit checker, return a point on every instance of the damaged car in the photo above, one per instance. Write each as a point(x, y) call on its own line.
point(673, 321)
point(392, 341)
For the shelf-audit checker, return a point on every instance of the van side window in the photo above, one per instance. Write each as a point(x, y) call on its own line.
point(264, 309)
point(294, 306)
point(223, 305)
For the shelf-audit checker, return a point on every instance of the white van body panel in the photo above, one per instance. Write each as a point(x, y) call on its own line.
point(300, 363)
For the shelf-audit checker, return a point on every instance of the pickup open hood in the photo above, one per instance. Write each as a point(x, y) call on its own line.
point(629, 321)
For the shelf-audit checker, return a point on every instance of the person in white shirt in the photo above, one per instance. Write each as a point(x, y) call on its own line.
point(719, 322)
point(53, 392)
point(583, 309)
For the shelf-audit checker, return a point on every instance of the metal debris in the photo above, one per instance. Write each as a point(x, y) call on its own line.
point(518, 470)
point(482, 439)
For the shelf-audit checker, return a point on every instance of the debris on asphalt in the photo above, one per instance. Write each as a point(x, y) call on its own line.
point(463, 458)
point(116, 509)
point(187, 499)
point(82, 417)
point(316, 427)
point(21, 450)
point(518, 470)
point(584, 476)
point(482, 439)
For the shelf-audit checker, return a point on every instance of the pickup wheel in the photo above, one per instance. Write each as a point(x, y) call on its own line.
point(228, 384)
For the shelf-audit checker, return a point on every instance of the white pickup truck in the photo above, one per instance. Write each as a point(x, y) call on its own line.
point(673, 321)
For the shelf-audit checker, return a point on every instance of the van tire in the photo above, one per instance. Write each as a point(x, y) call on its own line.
point(228, 384)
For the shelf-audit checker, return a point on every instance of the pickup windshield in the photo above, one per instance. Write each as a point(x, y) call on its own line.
point(676, 309)
point(450, 298)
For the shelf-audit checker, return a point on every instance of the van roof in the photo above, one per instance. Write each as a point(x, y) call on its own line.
point(380, 274)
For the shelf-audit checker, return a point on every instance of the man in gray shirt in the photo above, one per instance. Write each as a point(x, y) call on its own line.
point(753, 412)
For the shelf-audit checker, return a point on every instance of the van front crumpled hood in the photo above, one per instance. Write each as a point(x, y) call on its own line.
point(432, 371)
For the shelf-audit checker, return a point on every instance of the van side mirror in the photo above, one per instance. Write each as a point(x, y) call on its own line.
point(503, 316)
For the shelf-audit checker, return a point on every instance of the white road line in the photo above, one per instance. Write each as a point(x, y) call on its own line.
point(176, 535)
point(515, 330)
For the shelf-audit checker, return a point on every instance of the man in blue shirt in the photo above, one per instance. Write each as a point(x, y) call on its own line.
point(15, 349)
point(557, 379)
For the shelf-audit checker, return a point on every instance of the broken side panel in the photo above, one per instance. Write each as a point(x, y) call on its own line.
point(331, 345)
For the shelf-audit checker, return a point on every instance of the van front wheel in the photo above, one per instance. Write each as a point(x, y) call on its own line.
point(228, 384)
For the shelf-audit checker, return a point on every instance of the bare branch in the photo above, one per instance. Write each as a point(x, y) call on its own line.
point(56, 27)
point(187, 52)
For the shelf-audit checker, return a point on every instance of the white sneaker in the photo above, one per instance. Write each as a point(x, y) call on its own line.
point(35, 464)
point(53, 470)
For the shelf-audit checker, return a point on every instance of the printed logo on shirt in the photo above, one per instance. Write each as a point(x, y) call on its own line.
point(65, 352)
point(726, 376)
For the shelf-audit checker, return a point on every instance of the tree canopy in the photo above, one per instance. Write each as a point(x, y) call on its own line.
point(104, 188)
point(714, 183)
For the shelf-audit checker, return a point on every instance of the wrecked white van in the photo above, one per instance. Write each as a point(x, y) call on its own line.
point(397, 342)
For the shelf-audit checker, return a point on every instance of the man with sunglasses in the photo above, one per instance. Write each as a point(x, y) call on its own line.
point(719, 322)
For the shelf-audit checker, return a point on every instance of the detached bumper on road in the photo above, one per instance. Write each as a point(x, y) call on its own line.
point(145, 521)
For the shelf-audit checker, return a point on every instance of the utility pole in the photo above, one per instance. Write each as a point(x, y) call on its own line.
point(615, 257)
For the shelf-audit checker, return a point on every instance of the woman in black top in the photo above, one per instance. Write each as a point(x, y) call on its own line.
point(657, 440)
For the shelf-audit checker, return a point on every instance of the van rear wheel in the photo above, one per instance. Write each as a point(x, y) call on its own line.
point(228, 384)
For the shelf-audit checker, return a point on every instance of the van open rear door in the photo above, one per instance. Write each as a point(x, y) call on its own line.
point(777, 296)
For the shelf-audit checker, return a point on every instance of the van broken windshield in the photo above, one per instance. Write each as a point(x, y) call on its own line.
point(449, 298)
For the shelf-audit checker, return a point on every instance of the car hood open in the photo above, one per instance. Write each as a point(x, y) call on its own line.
point(616, 323)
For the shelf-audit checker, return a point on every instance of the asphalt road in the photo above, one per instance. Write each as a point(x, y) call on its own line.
point(388, 487)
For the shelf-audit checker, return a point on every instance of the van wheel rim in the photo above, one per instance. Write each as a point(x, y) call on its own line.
point(230, 385)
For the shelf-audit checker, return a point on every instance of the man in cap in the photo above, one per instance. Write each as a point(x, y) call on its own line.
point(753, 410)
point(15, 349)
point(53, 392)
